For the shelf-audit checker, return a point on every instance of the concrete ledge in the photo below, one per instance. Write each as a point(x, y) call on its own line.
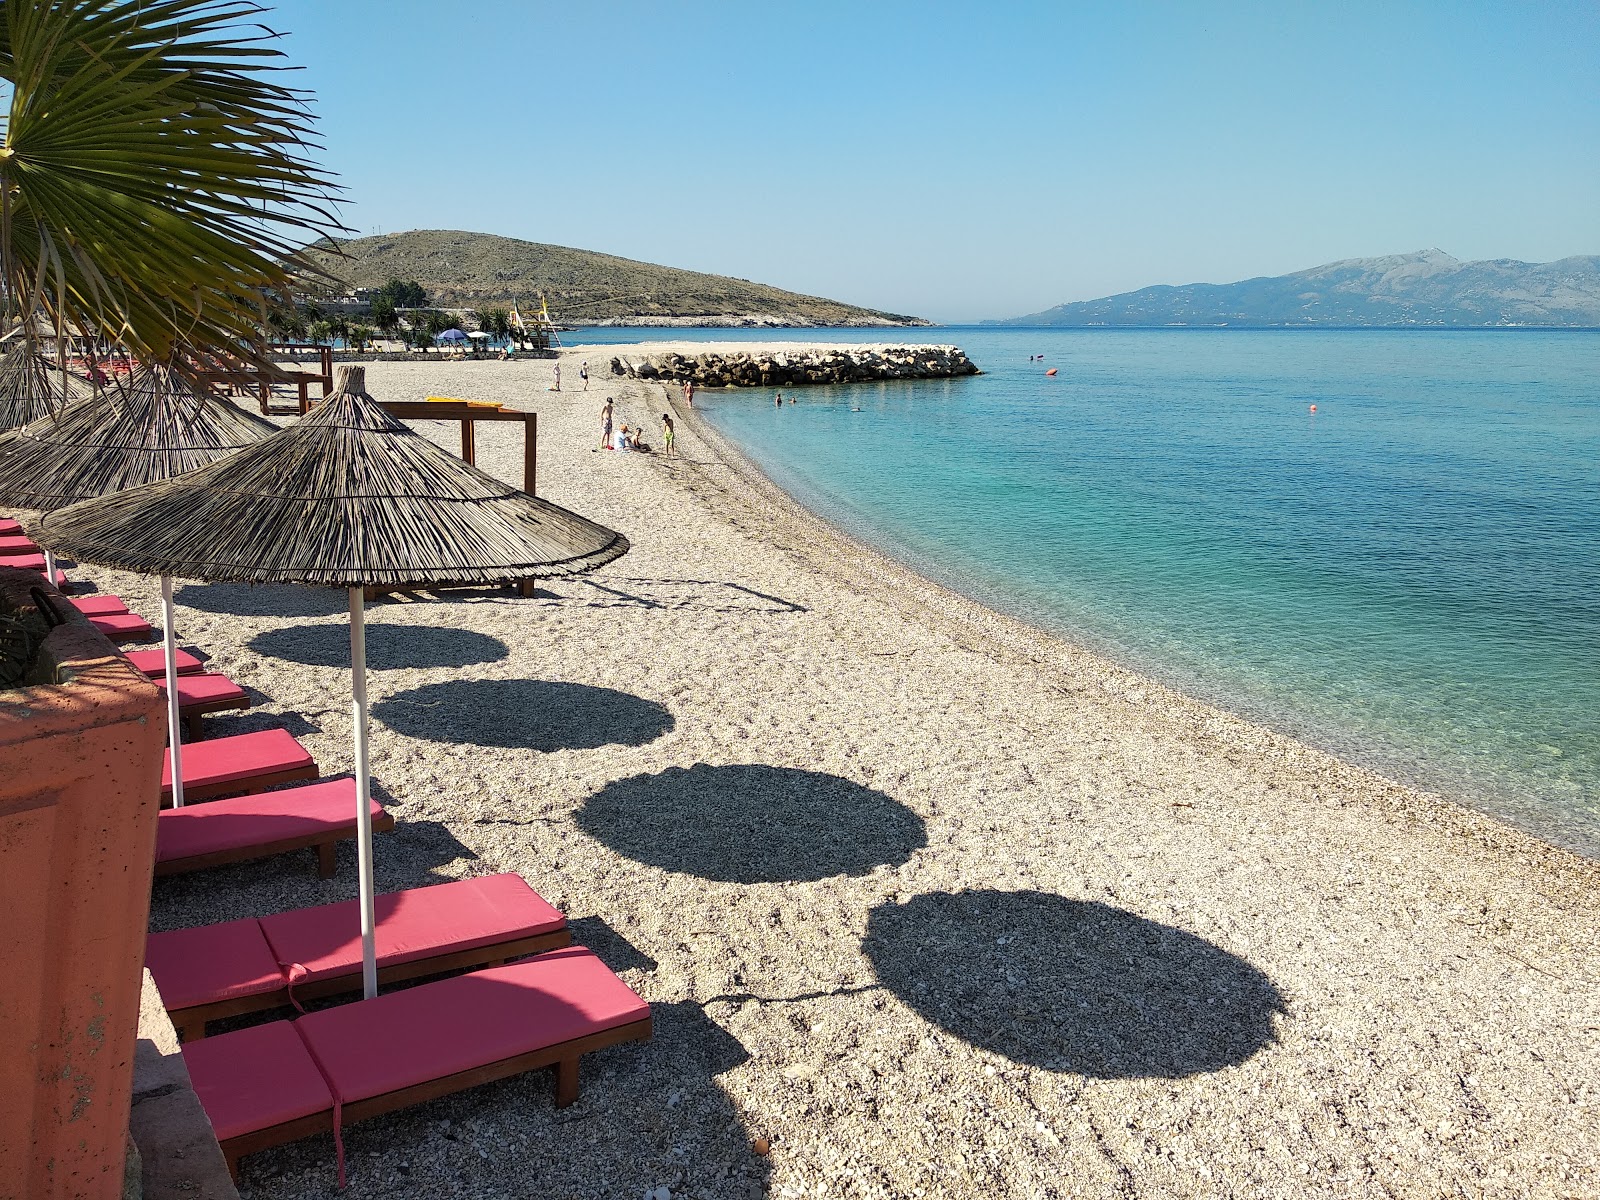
point(181, 1158)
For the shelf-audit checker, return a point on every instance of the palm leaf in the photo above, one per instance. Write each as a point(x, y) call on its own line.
point(156, 179)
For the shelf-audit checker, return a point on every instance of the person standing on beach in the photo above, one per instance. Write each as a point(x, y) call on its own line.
point(688, 392)
point(583, 373)
point(557, 387)
point(668, 435)
point(605, 425)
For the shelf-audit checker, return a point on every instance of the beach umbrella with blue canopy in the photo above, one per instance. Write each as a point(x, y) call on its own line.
point(451, 335)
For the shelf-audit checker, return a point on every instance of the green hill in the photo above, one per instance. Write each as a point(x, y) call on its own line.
point(469, 270)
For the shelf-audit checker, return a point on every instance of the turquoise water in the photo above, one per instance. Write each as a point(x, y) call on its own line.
point(1409, 577)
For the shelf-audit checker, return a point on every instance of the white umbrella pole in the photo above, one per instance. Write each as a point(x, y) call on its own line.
point(358, 707)
point(50, 566)
point(174, 733)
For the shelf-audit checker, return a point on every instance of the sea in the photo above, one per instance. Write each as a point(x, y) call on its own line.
point(1385, 543)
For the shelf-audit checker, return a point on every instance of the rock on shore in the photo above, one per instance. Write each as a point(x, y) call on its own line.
point(793, 369)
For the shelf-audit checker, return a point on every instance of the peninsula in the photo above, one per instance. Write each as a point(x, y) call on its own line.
point(469, 270)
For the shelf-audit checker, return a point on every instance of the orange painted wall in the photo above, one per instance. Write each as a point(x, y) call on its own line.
point(80, 771)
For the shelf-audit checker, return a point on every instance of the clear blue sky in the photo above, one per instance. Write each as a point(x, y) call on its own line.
point(967, 161)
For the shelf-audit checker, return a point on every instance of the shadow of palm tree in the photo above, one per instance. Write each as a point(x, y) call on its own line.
point(524, 714)
point(389, 647)
point(1072, 985)
point(263, 600)
point(749, 823)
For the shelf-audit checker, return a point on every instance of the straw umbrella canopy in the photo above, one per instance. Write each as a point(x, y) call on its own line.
point(347, 497)
point(148, 428)
point(31, 386)
point(153, 426)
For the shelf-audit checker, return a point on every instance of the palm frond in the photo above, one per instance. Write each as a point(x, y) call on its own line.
point(157, 177)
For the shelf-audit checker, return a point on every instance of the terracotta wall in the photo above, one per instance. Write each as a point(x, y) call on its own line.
point(80, 771)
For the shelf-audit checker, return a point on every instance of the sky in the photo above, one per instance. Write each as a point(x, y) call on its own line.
point(962, 162)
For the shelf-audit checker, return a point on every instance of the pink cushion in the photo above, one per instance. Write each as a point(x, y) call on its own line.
point(205, 689)
point(8, 527)
point(154, 662)
point(17, 544)
point(404, 1038)
point(256, 1078)
point(207, 963)
point(258, 820)
point(121, 625)
point(417, 923)
point(99, 606)
point(237, 758)
point(31, 562)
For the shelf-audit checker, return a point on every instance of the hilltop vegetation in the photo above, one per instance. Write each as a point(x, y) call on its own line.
point(1428, 288)
point(472, 270)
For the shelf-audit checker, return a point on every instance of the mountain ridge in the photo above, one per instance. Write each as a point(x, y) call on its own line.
point(1424, 289)
point(461, 269)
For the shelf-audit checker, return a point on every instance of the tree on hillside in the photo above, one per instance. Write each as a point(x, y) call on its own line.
point(156, 175)
point(402, 293)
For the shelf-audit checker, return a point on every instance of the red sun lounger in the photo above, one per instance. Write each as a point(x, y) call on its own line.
point(9, 528)
point(154, 662)
point(246, 762)
point(260, 1086)
point(207, 693)
point(317, 817)
point(17, 543)
point(122, 627)
point(209, 972)
point(99, 606)
point(33, 562)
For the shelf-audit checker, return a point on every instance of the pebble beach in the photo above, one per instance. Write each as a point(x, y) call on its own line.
point(926, 903)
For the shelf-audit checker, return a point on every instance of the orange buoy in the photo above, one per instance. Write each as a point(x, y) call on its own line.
point(1051, 371)
point(1313, 408)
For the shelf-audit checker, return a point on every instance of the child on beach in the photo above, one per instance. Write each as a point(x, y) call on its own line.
point(624, 438)
point(583, 373)
point(667, 435)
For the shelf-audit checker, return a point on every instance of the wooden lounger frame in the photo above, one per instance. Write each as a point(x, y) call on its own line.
point(242, 787)
point(564, 1057)
point(191, 1022)
point(192, 712)
point(324, 841)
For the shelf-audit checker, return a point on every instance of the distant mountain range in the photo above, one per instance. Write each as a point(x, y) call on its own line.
point(472, 270)
point(1428, 288)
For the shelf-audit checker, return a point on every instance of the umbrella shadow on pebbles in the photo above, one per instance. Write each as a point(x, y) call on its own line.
point(749, 823)
point(524, 714)
point(263, 600)
point(389, 647)
point(1072, 985)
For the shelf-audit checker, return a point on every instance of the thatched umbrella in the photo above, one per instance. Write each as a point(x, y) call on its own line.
point(346, 497)
point(31, 386)
point(149, 428)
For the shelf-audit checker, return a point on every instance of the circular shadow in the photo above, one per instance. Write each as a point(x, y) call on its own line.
point(1072, 985)
point(524, 714)
point(263, 599)
point(389, 647)
point(752, 824)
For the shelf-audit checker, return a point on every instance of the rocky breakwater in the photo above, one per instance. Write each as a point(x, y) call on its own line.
point(851, 364)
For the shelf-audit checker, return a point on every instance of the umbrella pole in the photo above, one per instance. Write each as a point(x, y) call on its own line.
point(50, 566)
point(174, 731)
point(358, 707)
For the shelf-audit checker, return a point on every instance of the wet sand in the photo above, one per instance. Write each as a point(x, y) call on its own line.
point(938, 904)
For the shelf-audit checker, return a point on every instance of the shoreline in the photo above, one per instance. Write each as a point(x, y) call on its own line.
point(933, 901)
point(1033, 644)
